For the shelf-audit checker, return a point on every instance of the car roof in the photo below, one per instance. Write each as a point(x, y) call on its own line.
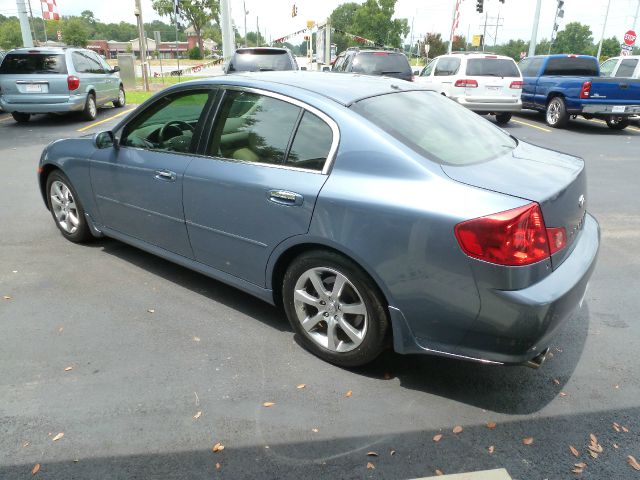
point(261, 49)
point(343, 88)
point(58, 50)
point(474, 55)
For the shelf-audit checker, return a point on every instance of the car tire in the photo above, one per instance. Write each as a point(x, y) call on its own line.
point(122, 99)
point(21, 117)
point(617, 123)
point(66, 209)
point(90, 111)
point(346, 327)
point(556, 114)
point(503, 118)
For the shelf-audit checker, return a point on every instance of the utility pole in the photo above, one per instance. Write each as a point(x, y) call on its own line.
point(142, 43)
point(534, 31)
point(32, 23)
point(635, 18)
point(484, 33)
point(495, 39)
point(453, 21)
point(604, 26)
point(244, 6)
point(27, 39)
point(227, 29)
point(411, 41)
point(257, 33)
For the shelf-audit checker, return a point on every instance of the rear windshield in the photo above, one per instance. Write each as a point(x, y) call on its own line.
point(416, 119)
point(380, 63)
point(492, 67)
point(33, 63)
point(575, 66)
point(260, 61)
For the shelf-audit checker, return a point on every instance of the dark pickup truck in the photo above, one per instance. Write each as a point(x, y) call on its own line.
point(565, 86)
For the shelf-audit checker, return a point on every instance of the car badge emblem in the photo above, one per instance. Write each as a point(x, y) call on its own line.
point(581, 201)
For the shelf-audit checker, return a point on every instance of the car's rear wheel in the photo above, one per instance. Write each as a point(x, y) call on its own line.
point(335, 308)
point(617, 123)
point(66, 209)
point(90, 111)
point(557, 116)
point(21, 117)
point(122, 99)
point(503, 118)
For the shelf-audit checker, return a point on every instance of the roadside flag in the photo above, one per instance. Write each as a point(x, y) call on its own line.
point(49, 10)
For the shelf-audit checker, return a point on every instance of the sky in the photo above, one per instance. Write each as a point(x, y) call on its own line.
point(274, 16)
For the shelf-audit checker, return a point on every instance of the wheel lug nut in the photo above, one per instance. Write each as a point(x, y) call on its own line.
point(326, 314)
point(322, 302)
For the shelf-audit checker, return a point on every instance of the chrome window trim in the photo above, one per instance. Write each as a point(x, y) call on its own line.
point(323, 116)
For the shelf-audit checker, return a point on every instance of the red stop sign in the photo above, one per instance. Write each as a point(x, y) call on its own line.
point(630, 37)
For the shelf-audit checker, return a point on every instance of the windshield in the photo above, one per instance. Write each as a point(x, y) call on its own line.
point(260, 61)
point(417, 119)
point(380, 63)
point(492, 67)
point(33, 63)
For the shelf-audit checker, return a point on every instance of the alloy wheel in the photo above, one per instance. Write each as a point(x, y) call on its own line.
point(553, 112)
point(64, 207)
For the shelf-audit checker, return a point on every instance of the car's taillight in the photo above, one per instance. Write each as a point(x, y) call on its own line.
point(466, 83)
point(515, 237)
point(585, 91)
point(516, 84)
point(73, 82)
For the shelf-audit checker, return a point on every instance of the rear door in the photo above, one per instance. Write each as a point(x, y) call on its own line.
point(444, 74)
point(92, 74)
point(258, 184)
point(498, 78)
point(34, 78)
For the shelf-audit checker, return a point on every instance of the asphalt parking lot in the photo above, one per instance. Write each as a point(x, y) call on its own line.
point(144, 365)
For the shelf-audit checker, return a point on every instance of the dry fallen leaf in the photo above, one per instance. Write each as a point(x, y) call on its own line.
point(372, 454)
point(556, 381)
point(58, 436)
point(457, 429)
point(563, 394)
point(392, 453)
point(437, 437)
point(593, 455)
point(25, 444)
point(197, 415)
point(348, 394)
point(616, 446)
point(218, 466)
point(151, 310)
point(492, 449)
point(439, 472)
point(218, 447)
point(593, 438)
point(527, 441)
point(491, 425)
point(68, 369)
point(370, 466)
point(61, 329)
point(624, 429)
point(616, 427)
point(574, 451)
point(35, 469)
point(314, 430)
point(196, 339)
point(633, 462)
point(576, 470)
point(581, 465)
point(268, 404)
point(7, 297)
point(301, 386)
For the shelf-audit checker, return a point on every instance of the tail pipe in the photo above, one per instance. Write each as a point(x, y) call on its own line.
point(538, 360)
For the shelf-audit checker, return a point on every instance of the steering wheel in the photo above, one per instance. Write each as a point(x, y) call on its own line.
point(168, 125)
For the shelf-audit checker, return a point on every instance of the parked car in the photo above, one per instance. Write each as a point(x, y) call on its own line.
point(390, 63)
point(485, 83)
point(57, 80)
point(621, 67)
point(261, 59)
point(570, 85)
point(362, 212)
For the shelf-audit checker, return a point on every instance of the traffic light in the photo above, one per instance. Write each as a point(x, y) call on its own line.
point(479, 6)
point(294, 11)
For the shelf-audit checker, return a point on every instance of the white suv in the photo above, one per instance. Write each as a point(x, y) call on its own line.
point(482, 82)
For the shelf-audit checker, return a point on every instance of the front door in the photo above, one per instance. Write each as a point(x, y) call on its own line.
point(258, 184)
point(138, 186)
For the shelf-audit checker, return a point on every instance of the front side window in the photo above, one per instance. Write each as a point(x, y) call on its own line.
point(447, 67)
point(311, 144)
point(530, 67)
point(426, 71)
point(627, 67)
point(606, 69)
point(168, 124)
point(253, 128)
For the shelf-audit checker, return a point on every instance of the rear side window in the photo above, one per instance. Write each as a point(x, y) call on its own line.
point(492, 67)
point(33, 64)
point(260, 60)
point(572, 66)
point(530, 67)
point(380, 63)
point(312, 143)
point(415, 119)
point(627, 67)
point(447, 66)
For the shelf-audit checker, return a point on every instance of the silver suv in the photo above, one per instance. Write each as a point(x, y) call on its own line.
point(57, 80)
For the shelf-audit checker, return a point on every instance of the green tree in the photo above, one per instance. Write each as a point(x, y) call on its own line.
point(89, 17)
point(436, 45)
point(10, 34)
point(74, 32)
point(575, 38)
point(255, 39)
point(197, 12)
point(342, 18)
point(610, 48)
point(459, 43)
point(513, 48)
point(373, 20)
point(542, 48)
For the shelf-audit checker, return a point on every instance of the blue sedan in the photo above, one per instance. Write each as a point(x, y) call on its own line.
point(374, 212)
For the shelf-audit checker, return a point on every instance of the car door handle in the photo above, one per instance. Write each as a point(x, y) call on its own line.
point(284, 197)
point(165, 176)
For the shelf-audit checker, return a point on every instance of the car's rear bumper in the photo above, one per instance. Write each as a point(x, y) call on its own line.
point(598, 109)
point(513, 327)
point(74, 104)
point(490, 105)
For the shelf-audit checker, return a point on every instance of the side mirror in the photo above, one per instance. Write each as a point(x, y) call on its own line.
point(115, 69)
point(416, 72)
point(326, 69)
point(104, 140)
point(303, 68)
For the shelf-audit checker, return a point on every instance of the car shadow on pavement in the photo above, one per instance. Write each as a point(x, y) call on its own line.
point(74, 119)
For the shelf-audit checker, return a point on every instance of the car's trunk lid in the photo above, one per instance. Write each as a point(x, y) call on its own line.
point(557, 182)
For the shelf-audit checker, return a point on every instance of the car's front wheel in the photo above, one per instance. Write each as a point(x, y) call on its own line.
point(617, 123)
point(122, 99)
point(21, 117)
point(335, 308)
point(557, 116)
point(66, 208)
point(503, 118)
